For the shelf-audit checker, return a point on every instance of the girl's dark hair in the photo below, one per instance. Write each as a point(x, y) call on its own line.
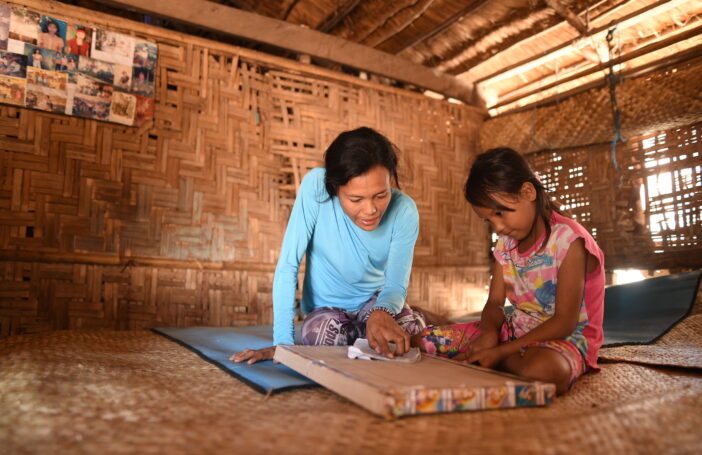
point(354, 153)
point(504, 171)
point(45, 29)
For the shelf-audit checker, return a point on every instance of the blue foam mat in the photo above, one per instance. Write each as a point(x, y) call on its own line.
point(641, 312)
point(217, 344)
point(636, 313)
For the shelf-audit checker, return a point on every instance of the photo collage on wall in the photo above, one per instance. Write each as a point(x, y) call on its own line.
point(55, 65)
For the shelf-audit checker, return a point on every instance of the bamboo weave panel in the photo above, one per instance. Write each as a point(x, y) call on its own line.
point(647, 215)
point(37, 297)
point(212, 179)
point(663, 100)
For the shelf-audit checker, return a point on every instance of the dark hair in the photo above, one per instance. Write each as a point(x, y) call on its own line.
point(354, 153)
point(45, 29)
point(502, 170)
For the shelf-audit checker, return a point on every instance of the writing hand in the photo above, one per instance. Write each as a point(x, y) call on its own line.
point(487, 358)
point(381, 329)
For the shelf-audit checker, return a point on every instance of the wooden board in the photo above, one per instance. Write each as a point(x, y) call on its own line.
point(431, 385)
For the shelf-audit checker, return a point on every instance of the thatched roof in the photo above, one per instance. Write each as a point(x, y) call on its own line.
point(516, 52)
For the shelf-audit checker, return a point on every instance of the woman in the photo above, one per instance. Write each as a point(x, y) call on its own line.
point(358, 234)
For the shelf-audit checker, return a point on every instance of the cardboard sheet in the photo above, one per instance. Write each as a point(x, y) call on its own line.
point(432, 385)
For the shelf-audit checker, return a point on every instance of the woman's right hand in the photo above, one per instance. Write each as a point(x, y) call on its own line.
point(253, 355)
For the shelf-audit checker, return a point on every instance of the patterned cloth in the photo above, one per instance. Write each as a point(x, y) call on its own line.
point(449, 341)
point(330, 326)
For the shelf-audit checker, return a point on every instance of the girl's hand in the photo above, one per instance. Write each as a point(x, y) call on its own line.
point(254, 355)
point(488, 358)
point(381, 329)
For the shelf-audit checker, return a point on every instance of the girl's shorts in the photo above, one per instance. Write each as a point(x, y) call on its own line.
point(451, 340)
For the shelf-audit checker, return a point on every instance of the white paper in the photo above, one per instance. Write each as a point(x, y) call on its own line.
point(362, 350)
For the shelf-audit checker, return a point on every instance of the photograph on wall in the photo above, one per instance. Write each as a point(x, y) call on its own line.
point(123, 77)
point(39, 57)
point(49, 79)
point(4, 26)
point(12, 90)
point(112, 47)
point(46, 99)
point(16, 47)
point(52, 64)
point(52, 34)
point(143, 82)
point(24, 25)
point(96, 69)
point(87, 87)
point(123, 108)
point(69, 65)
point(91, 107)
point(145, 54)
point(78, 40)
point(13, 65)
point(145, 108)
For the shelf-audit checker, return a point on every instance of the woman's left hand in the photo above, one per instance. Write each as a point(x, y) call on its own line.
point(488, 358)
point(381, 329)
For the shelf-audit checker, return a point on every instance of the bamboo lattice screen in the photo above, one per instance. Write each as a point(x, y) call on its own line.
point(179, 222)
point(647, 215)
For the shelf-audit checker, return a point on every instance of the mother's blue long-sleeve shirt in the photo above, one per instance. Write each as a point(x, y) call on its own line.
point(345, 264)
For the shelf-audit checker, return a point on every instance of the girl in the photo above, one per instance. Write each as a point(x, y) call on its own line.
point(358, 234)
point(550, 269)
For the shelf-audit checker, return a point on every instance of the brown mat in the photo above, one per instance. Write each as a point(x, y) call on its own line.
point(680, 347)
point(136, 392)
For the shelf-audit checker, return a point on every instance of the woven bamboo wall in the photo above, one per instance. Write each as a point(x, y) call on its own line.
point(179, 222)
point(656, 102)
point(647, 214)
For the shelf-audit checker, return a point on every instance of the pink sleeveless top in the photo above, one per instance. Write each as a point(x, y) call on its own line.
point(531, 279)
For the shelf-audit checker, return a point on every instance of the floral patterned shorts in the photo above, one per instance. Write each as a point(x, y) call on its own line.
point(451, 340)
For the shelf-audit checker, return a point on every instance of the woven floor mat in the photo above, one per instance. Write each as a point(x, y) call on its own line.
point(680, 347)
point(137, 392)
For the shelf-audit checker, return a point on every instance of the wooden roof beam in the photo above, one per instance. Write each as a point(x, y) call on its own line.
point(565, 12)
point(338, 15)
point(406, 16)
point(288, 9)
point(443, 26)
point(518, 94)
point(520, 39)
point(497, 28)
point(599, 33)
point(284, 35)
point(691, 55)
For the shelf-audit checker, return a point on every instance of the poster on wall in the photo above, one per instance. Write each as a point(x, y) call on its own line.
point(55, 65)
